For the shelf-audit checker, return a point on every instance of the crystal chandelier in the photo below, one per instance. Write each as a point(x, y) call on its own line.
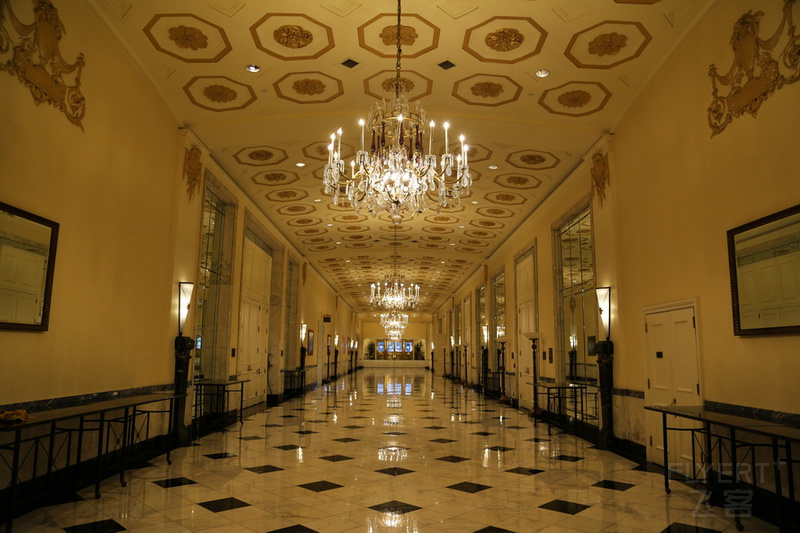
point(397, 174)
point(395, 320)
point(393, 294)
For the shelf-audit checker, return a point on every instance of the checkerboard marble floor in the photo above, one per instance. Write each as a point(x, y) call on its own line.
point(395, 451)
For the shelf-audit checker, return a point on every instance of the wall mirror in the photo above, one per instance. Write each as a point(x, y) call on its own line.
point(27, 262)
point(764, 259)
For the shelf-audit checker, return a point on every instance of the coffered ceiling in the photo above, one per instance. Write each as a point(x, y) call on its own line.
point(472, 63)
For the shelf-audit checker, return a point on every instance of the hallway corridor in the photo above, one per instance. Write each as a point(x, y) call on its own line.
point(388, 450)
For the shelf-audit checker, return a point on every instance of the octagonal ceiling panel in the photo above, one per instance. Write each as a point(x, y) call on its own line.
point(308, 87)
point(219, 93)
point(576, 99)
point(505, 39)
point(533, 159)
point(259, 156)
point(608, 44)
point(379, 35)
point(487, 90)
point(518, 181)
point(292, 36)
point(381, 85)
point(188, 38)
point(272, 178)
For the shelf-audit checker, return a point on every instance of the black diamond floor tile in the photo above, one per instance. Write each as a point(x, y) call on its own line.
point(174, 482)
point(320, 486)
point(435, 427)
point(394, 433)
point(63, 497)
point(468, 486)
point(273, 425)
point(525, 471)
point(347, 439)
point(318, 421)
point(563, 506)
point(358, 416)
point(288, 447)
point(220, 455)
point(537, 439)
point(394, 471)
point(294, 529)
point(103, 526)
point(305, 432)
point(336, 458)
point(614, 485)
point(568, 458)
point(353, 427)
point(499, 448)
point(492, 529)
point(489, 410)
point(442, 441)
point(395, 507)
point(264, 469)
point(515, 427)
point(483, 433)
point(429, 417)
point(224, 504)
point(251, 437)
point(472, 422)
point(288, 416)
point(453, 459)
point(677, 527)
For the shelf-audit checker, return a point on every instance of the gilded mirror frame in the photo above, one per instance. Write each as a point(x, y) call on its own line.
point(47, 289)
point(756, 227)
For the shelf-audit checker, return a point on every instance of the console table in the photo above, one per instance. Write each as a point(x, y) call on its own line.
point(781, 438)
point(48, 434)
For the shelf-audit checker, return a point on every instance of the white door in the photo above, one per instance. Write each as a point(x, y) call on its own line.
point(526, 322)
point(254, 322)
point(673, 378)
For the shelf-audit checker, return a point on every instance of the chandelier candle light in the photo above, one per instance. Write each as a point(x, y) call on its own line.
point(397, 175)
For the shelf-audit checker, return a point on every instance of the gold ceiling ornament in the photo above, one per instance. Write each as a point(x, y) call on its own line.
point(755, 74)
point(396, 174)
point(188, 37)
point(36, 60)
point(575, 98)
point(504, 39)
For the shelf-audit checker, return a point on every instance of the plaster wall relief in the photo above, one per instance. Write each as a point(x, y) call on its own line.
point(33, 55)
point(601, 176)
point(192, 171)
point(759, 68)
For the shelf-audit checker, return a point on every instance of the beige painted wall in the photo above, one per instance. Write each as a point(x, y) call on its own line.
point(113, 188)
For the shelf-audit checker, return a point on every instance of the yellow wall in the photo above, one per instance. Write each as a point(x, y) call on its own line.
point(113, 189)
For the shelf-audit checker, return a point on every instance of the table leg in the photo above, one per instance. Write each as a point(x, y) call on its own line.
point(12, 500)
point(737, 518)
point(666, 453)
point(124, 450)
point(101, 424)
point(776, 469)
point(169, 429)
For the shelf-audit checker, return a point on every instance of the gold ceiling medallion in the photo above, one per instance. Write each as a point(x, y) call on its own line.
point(36, 60)
point(188, 37)
point(192, 171)
point(293, 36)
point(504, 40)
point(755, 74)
point(487, 89)
point(601, 176)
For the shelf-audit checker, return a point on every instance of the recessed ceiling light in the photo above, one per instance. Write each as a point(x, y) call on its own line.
point(474, 202)
point(492, 167)
point(253, 68)
point(542, 73)
point(318, 200)
point(299, 164)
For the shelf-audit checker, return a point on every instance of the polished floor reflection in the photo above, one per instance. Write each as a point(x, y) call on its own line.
point(396, 451)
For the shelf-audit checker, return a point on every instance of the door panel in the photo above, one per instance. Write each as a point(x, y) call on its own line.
point(673, 379)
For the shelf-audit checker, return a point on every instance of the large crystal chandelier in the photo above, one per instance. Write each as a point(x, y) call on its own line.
point(394, 294)
point(397, 174)
point(394, 319)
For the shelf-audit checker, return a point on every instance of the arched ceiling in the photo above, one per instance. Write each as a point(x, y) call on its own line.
point(472, 63)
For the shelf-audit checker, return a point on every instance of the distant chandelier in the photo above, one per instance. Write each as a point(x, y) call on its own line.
point(394, 333)
point(393, 294)
point(394, 319)
point(397, 175)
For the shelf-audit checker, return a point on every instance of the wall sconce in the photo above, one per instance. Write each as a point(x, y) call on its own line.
point(604, 349)
point(485, 334)
point(303, 331)
point(184, 345)
point(336, 342)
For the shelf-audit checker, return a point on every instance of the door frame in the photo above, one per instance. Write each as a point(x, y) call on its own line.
point(692, 304)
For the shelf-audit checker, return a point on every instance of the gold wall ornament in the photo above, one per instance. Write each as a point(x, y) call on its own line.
point(601, 176)
point(756, 71)
point(192, 171)
point(37, 62)
point(293, 36)
point(188, 37)
point(608, 44)
point(504, 40)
